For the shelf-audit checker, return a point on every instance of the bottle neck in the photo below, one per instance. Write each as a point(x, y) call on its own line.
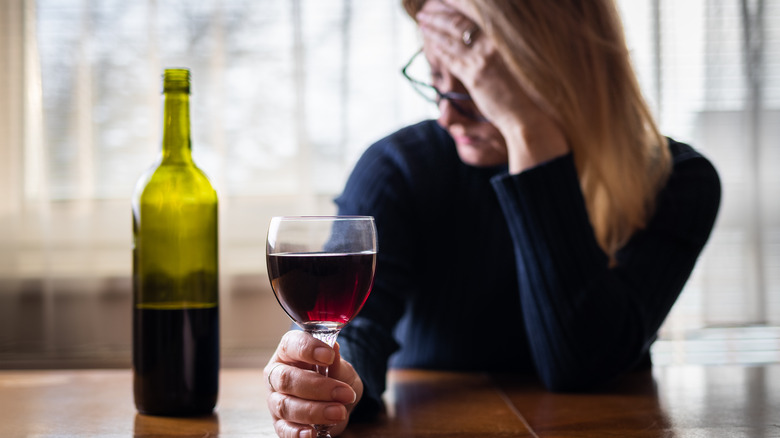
point(176, 146)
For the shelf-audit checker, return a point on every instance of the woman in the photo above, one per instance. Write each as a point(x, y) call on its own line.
point(541, 224)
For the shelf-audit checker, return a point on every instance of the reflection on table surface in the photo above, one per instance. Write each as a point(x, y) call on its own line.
point(676, 401)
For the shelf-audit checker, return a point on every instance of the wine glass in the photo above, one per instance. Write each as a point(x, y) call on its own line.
point(321, 270)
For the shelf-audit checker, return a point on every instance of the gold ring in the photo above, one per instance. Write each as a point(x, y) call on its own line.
point(269, 376)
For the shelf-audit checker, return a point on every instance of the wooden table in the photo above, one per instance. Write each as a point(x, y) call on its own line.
point(672, 401)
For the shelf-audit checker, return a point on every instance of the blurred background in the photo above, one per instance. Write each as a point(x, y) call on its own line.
point(286, 96)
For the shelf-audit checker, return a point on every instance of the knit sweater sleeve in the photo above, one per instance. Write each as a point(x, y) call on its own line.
point(379, 187)
point(588, 323)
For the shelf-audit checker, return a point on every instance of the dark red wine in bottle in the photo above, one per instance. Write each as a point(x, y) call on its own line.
point(176, 359)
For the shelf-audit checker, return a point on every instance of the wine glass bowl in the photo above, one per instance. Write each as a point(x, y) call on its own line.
point(321, 270)
point(321, 291)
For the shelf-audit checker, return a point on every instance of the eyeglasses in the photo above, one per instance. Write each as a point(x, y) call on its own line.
point(462, 102)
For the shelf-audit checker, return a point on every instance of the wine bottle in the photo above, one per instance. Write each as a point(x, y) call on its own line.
point(175, 272)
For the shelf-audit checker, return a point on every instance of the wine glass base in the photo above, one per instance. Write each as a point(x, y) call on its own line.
point(322, 431)
point(326, 333)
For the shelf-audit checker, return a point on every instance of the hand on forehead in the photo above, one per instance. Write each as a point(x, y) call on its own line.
point(447, 16)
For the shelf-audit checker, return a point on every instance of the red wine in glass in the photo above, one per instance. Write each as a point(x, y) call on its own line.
point(321, 270)
point(321, 291)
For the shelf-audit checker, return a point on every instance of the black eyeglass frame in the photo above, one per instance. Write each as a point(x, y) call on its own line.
point(451, 96)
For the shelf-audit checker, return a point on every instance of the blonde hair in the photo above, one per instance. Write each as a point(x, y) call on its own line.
point(570, 57)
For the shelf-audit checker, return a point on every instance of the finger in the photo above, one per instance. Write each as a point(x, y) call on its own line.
point(447, 41)
point(309, 385)
point(462, 7)
point(298, 346)
point(296, 410)
point(286, 429)
point(343, 371)
point(444, 20)
point(268, 372)
point(451, 55)
point(437, 44)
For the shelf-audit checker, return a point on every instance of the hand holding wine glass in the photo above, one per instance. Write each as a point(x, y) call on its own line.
point(321, 271)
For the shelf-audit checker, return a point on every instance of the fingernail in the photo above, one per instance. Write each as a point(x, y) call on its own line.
point(323, 355)
point(343, 395)
point(334, 413)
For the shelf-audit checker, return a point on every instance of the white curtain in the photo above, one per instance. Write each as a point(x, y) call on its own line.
point(717, 85)
point(287, 94)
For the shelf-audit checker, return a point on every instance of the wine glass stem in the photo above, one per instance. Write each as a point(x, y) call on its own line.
point(328, 337)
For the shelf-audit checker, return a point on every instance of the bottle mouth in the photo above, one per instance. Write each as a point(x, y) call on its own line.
point(176, 79)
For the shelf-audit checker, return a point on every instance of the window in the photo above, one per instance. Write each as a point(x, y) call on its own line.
point(288, 93)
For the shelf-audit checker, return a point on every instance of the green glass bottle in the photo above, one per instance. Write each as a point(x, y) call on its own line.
point(175, 273)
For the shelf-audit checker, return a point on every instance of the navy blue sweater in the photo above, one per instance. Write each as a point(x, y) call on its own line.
point(481, 270)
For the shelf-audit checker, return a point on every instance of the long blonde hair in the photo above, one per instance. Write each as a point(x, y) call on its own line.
point(570, 57)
